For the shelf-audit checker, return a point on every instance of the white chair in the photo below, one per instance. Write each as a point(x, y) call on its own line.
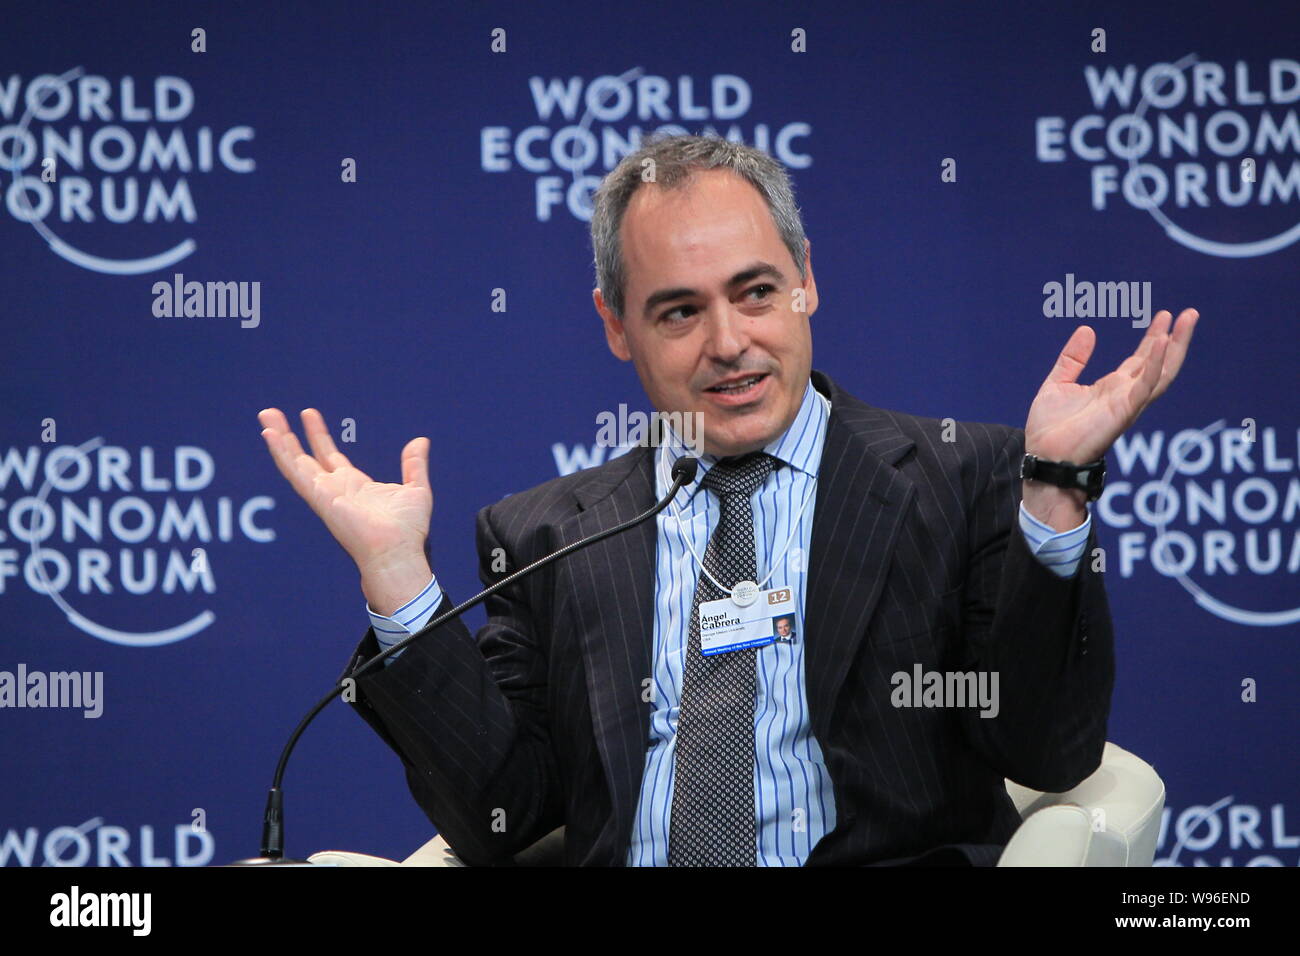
point(1110, 819)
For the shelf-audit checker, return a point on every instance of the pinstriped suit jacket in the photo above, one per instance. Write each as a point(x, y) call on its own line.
point(916, 557)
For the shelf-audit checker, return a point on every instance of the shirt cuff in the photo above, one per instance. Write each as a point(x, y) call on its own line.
point(1058, 550)
point(406, 620)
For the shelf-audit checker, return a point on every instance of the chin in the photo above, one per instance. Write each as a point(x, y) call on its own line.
point(742, 443)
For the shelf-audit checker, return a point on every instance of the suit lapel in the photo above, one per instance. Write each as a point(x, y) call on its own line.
point(615, 620)
point(861, 502)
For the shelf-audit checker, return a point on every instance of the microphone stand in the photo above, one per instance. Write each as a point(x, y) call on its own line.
point(683, 473)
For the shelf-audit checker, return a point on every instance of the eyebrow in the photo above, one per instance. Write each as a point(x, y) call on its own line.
point(752, 271)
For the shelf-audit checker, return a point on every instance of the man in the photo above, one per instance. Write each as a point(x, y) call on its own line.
point(600, 696)
point(784, 629)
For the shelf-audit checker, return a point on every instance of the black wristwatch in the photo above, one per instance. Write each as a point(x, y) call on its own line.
point(1089, 477)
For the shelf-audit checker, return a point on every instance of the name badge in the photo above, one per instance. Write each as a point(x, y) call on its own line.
point(727, 626)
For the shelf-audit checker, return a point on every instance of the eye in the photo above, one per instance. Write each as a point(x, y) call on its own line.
point(758, 288)
point(668, 316)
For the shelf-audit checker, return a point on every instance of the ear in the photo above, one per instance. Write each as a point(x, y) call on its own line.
point(810, 284)
point(614, 334)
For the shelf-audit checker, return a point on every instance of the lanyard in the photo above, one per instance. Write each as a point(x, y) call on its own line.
point(776, 561)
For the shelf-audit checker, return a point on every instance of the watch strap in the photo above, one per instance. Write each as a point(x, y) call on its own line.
point(1088, 477)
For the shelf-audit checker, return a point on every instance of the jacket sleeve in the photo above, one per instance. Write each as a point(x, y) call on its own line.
point(467, 717)
point(1048, 638)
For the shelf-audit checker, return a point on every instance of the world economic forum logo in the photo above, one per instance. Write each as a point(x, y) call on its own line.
point(1227, 833)
point(579, 128)
point(1216, 510)
point(81, 151)
point(94, 524)
point(1196, 144)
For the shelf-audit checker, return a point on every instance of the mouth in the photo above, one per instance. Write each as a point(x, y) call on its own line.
point(740, 390)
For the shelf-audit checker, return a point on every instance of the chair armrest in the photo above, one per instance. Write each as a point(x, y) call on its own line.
point(1062, 835)
point(434, 853)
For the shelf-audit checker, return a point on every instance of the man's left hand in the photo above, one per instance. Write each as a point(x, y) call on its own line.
point(1079, 423)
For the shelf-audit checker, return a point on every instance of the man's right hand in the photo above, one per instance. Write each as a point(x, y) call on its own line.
point(382, 527)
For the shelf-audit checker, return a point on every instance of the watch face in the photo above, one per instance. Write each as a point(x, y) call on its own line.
point(1093, 479)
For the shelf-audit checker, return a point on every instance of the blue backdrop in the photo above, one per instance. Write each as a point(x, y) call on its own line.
point(175, 562)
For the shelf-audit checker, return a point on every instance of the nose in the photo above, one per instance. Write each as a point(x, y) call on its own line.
point(728, 336)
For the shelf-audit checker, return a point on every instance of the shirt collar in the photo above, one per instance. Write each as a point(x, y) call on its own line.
point(799, 446)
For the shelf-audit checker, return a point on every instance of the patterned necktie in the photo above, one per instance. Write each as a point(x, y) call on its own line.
point(712, 821)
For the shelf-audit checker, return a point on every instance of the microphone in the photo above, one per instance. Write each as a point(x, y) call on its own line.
point(683, 473)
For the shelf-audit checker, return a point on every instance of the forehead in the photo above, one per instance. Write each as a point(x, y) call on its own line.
point(714, 212)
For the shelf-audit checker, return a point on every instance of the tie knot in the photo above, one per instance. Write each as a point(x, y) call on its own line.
point(738, 476)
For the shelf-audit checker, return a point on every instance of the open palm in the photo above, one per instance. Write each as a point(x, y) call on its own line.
point(373, 521)
point(1072, 422)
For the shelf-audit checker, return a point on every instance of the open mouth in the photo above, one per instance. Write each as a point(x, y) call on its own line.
point(739, 387)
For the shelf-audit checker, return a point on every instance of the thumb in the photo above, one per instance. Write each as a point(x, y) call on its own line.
point(415, 463)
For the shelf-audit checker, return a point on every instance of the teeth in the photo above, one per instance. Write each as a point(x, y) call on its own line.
point(738, 386)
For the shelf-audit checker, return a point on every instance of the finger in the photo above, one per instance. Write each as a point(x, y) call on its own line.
point(415, 463)
point(1143, 391)
point(274, 421)
point(1157, 326)
point(1179, 342)
point(1133, 366)
point(322, 445)
point(273, 418)
point(287, 442)
point(1074, 356)
point(297, 467)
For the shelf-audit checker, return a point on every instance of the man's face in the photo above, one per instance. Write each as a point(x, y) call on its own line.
point(711, 320)
point(783, 627)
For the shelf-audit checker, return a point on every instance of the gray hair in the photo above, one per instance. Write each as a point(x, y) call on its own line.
point(673, 160)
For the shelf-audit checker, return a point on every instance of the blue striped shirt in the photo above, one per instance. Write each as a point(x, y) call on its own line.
point(793, 798)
